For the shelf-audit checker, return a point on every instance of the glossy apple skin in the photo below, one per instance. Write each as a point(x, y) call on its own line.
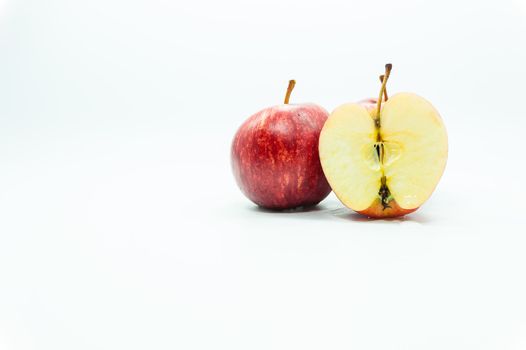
point(376, 210)
point(275, 157)
point(369, 104)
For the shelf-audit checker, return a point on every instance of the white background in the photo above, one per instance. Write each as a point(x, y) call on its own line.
point(121, 226)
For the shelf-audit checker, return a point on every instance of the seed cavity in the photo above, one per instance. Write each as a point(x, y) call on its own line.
point(380, 151)
point(385, 194)
point(383, 154)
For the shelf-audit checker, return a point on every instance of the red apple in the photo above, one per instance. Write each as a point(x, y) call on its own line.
point(275, 156)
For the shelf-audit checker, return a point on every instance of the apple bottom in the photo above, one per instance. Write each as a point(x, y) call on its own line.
point(283, 186)
point(377, 210)
point(288, 207)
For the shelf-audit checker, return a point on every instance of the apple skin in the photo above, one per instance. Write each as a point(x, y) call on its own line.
point(275, 157)
point(369, 104)
point(376, 210)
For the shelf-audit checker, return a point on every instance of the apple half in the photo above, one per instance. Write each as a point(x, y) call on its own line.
point(384, 159)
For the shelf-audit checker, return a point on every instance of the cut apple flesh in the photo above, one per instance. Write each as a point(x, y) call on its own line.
point(395, 165)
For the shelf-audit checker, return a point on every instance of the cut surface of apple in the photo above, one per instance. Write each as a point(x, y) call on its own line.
point(384, 162)
point(348, 156)
point(414, 128)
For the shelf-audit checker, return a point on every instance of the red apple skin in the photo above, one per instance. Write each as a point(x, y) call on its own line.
point(275, 157)
point(369, 103)
point(376, 210)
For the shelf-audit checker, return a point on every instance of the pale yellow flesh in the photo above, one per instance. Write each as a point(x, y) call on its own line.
point(415, 152)
point(346, 154)
point(413, 123)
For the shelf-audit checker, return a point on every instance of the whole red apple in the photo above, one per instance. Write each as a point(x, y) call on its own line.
point(275, 156)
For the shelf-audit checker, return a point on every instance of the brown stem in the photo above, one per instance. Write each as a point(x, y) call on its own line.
point(385, 91)
point(292, 83)
point(388, 68)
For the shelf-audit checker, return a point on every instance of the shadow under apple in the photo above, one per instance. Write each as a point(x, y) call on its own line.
point(326, 212)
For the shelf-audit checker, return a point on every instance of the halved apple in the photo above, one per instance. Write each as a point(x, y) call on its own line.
point(384, 160)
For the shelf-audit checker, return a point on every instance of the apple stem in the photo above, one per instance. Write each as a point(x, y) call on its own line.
point(292, 83)
point(388, 68)
point(385, 91)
